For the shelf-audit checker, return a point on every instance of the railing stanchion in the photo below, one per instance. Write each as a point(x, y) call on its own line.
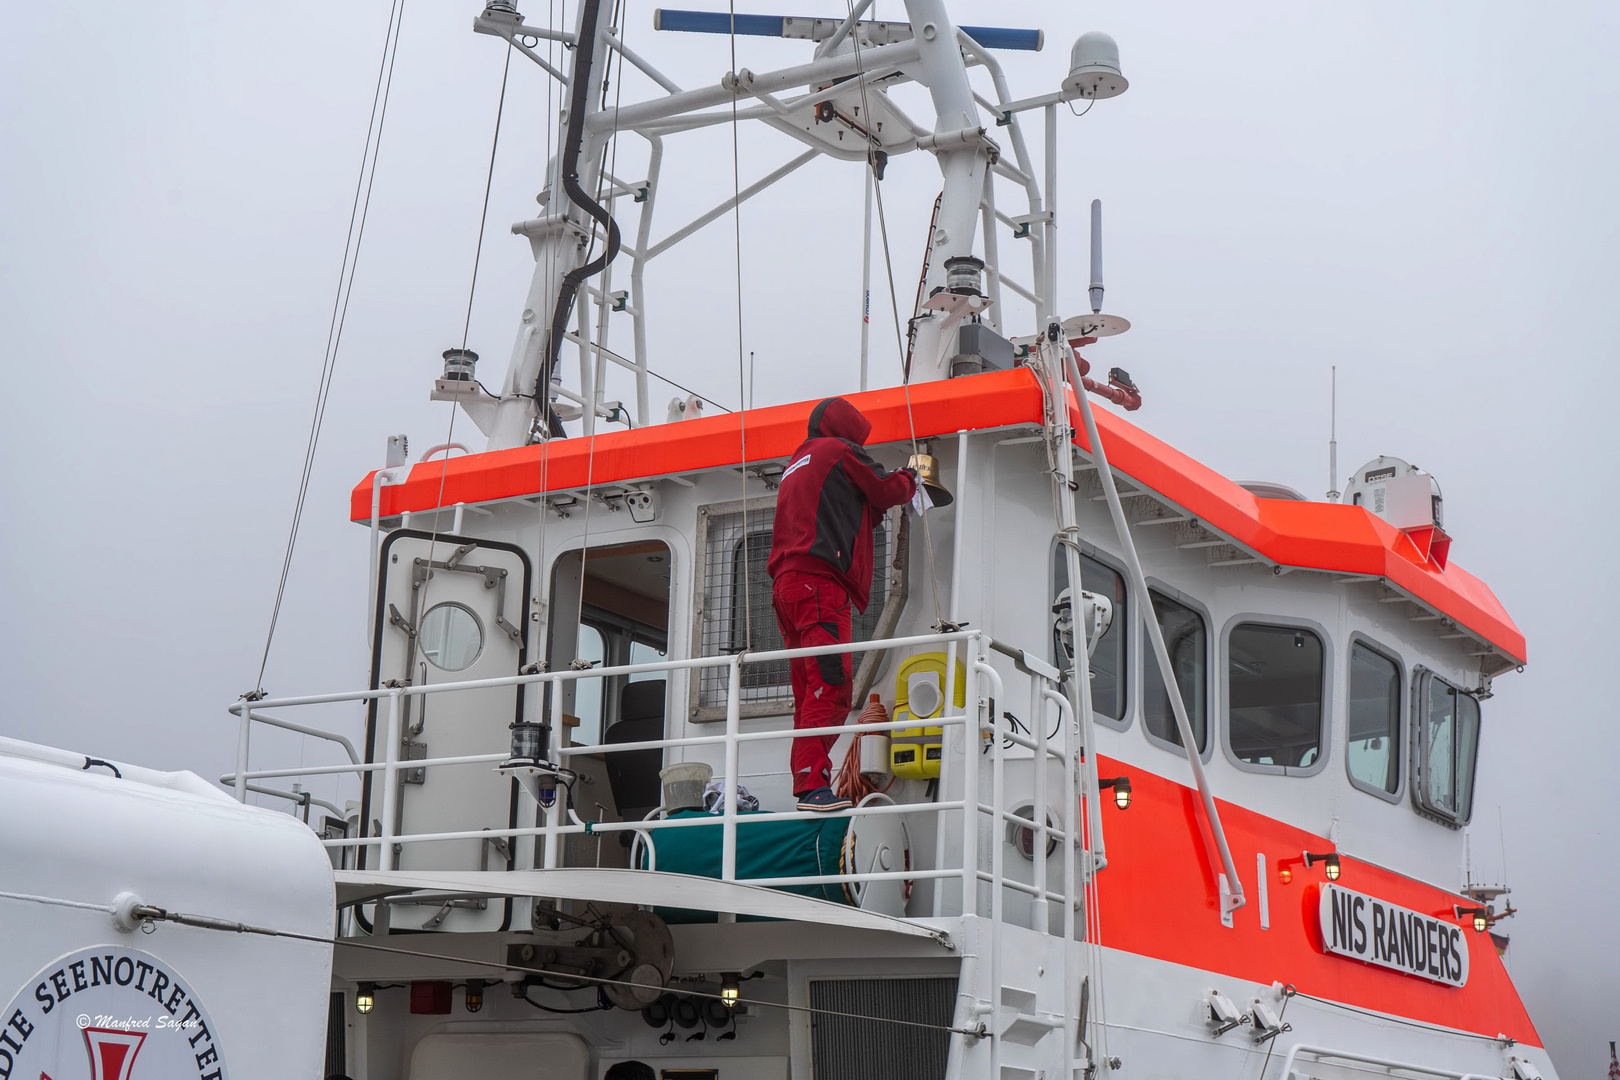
point(390, 782)
point(970, 786)
point(728, 790)
point(952, 688)
point(242, 752)
point(1071, 806)
point(554, 812)
point(1039, 920)
point(728, 857)
point(998, 793)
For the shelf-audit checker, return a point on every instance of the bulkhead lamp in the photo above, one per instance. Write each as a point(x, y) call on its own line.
point(1329, 861)
point(1121, 786)
point(730, 988)
point(365, 998)
point(1480, 915)
point(475, 995)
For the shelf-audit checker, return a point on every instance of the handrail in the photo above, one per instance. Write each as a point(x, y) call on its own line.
point(1366, 1059)
point(983, 681)
point(288, 725)
point(723, 660)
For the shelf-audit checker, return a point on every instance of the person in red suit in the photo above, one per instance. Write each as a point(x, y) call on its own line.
point(831, 498)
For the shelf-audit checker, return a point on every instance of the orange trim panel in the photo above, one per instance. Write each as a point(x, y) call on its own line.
point(1318, 536)
point(1159, 897)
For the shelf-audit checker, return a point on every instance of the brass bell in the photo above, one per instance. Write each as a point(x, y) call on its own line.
point(927, 466)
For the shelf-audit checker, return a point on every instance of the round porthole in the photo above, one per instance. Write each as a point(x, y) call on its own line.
point(451, 637)
point(1022, 837)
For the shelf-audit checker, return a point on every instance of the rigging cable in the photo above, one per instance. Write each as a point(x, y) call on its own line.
point(604, 171)
point(340, 303)
point(151, 914)
point(894, 304)
point(543, 598)
point(742, 390)
point(450, 428)
point(489, 181)
point(472, 291)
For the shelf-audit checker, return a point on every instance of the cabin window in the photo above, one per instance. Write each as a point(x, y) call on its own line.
point(1108, 661)
point(1447, 745)
point(1374, 757)
point(588, 692)
point(609, 609)
point(643, 653)
point(1186, 638)
point(737, 613)
point(1274, 681)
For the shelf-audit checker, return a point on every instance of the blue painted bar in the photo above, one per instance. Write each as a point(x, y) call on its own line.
point(719, 22)
point(1001, 37)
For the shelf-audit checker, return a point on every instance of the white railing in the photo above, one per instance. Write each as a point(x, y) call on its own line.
point(1061, 744)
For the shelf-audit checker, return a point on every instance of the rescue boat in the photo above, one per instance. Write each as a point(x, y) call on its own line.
point(1156, 773)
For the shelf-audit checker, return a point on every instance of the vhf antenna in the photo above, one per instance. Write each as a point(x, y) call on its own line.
point(1096, 257)
point(1333, 438)
point(1096, 325)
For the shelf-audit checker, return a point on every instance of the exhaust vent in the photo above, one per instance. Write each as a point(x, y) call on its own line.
point(862, 1046)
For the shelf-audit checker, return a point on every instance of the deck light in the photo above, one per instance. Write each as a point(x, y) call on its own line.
point(365, 998)
point(459, 365)
point(538, 776)
point(527, 742)
point(1122, 790)
point(1329, 861)
point(730, 991)
point(1481, 916)
point(962, 275)
point(475, 995)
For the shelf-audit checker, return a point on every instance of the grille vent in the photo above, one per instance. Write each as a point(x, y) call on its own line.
point(859, 1047)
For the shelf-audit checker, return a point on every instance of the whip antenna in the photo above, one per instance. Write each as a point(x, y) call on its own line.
point(1096, 257)
point(1333, 438)
point(1096, 325)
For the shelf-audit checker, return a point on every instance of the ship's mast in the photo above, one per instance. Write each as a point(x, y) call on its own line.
point(560, 240)
point(963, 169)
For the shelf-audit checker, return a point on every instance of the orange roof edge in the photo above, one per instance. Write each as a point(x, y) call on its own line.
point(1318, 536)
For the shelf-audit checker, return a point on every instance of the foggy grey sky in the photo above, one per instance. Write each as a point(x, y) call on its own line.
point(1422, 195)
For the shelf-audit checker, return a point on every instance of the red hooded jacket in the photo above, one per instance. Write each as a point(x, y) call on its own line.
point(831, 498)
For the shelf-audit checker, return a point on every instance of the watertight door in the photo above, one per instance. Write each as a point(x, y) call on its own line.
point(450, 609)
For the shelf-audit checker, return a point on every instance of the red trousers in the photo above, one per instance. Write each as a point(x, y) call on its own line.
point(815, 610)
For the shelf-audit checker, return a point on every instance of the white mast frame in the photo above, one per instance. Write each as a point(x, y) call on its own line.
point(938, 56)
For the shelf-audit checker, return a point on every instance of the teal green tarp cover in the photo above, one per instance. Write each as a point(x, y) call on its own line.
point(794, 847)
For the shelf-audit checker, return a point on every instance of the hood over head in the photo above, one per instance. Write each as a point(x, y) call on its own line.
point(836, 418)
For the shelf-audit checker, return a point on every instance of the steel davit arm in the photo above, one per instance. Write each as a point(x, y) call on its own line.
point(1233, 898)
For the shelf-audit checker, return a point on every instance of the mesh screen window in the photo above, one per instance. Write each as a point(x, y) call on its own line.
point(737, 610)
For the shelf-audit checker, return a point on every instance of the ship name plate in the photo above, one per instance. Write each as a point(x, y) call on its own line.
point(1374, 931)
